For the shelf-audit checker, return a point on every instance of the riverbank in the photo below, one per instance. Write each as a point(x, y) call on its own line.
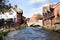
point(4, 32)
point(32, 33)
point(53, 28)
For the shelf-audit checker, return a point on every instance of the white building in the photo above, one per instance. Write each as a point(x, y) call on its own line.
point(11, 13)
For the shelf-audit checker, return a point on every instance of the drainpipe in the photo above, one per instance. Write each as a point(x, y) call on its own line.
point(51, 22)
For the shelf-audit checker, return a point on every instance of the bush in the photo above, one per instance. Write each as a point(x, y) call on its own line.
point(24, 25)
point(57, 31)
point(3, 34)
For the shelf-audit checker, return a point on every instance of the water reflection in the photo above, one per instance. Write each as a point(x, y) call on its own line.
point(31, 33)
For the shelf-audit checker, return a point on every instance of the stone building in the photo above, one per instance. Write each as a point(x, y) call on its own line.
point(36, 17)
point(51, 15)
point(8, 15)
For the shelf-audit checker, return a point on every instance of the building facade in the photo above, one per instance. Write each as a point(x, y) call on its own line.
point(11, 16)
point(51, 15)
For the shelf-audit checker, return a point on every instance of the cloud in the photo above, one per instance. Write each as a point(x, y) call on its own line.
point(37, 1)
point(39, 10)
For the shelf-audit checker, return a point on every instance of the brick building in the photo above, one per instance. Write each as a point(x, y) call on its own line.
point(51, 15)
point(20, 18)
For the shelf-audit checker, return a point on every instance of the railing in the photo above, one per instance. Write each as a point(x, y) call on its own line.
point(48, 16)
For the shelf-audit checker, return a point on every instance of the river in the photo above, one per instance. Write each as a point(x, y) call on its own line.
point(32, 33)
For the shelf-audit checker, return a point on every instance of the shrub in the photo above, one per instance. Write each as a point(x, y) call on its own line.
point(3, 34)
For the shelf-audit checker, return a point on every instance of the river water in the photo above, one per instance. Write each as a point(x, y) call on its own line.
point(31, 33)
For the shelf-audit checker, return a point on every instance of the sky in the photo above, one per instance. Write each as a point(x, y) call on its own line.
point(32, 6)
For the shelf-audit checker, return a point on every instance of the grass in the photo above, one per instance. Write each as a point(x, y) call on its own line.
point(3, 34)
point(58, 31)
point(52, 29)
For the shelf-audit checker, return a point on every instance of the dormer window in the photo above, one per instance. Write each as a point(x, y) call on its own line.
point(10, 12)
point(51, 9)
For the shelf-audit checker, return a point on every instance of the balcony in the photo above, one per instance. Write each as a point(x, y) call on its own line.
point(48, 16)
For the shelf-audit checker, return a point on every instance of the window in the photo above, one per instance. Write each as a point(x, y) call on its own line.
point(51, 9)
point(59, 13)
point(10, 12)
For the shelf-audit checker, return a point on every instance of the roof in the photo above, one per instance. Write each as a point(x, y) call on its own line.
point(4, 8)
point(56, 5)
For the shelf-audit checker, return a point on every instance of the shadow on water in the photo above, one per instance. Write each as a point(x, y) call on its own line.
point(31, 33)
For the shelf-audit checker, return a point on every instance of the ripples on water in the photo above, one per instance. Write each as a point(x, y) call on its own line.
point(31, 33)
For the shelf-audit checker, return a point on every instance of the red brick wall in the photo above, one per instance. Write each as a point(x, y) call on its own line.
point(55, 14)
point(56, 10)
point(19, 18)
point(47, 22)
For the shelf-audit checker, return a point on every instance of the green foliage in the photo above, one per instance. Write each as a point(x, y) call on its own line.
point(3, 34)
point(52, 29)
point(21, 26)
point(57, 31)
point(3, 2)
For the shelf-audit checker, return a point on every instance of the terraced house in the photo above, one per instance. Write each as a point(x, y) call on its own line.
point(11, 16)
point(51, 15)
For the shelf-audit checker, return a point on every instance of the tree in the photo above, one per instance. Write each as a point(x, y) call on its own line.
point(3, 4)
